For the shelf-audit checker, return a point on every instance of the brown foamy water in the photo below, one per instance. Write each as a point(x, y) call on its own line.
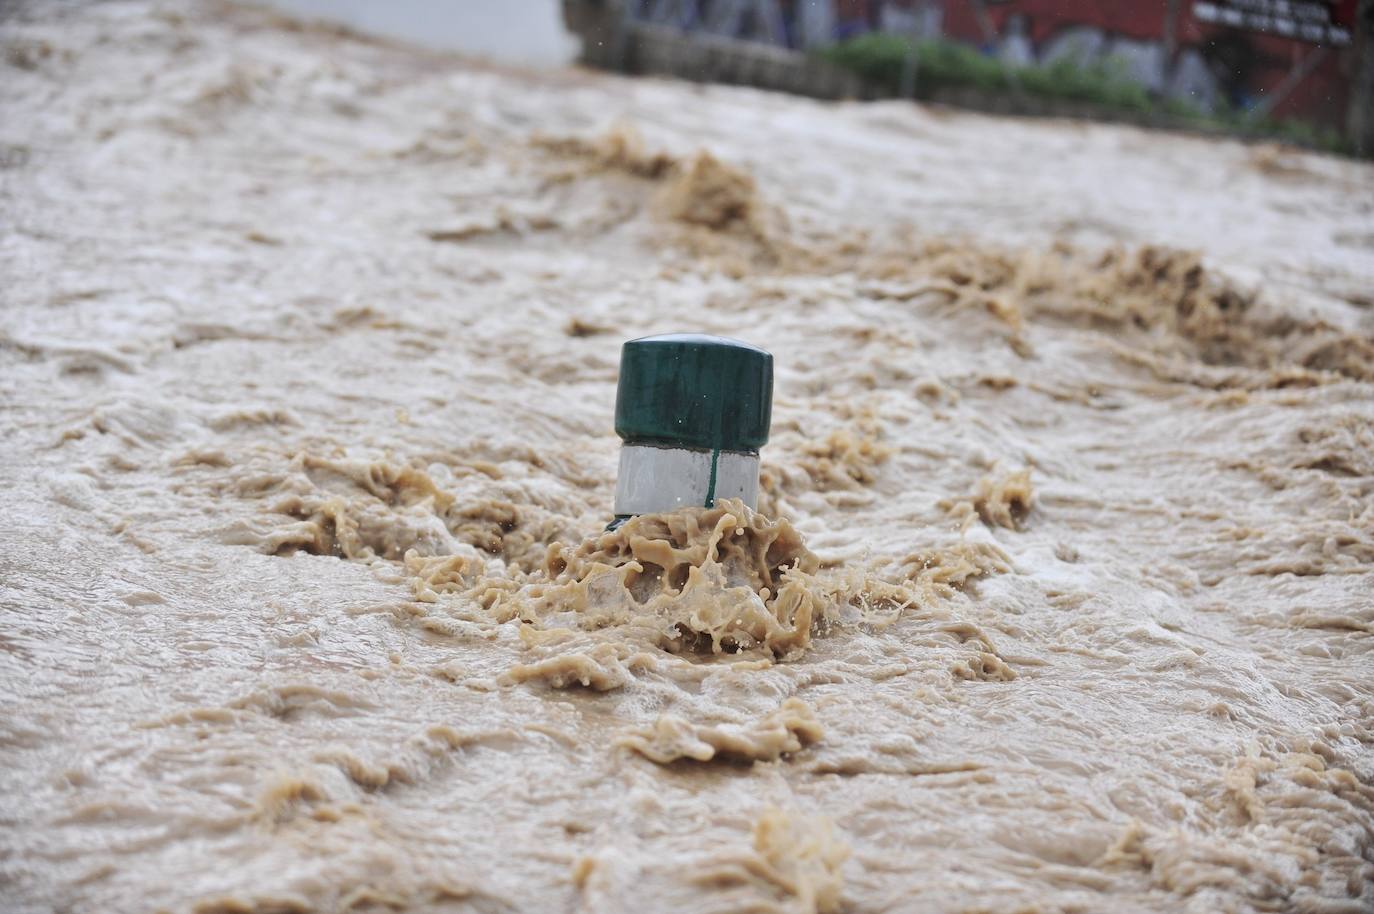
point(1060, 595)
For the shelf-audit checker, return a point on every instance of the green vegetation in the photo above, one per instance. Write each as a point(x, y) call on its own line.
point(881, 60)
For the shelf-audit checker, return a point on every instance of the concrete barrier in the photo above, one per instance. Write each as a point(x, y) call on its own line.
point(663, 51)
point(611, 41)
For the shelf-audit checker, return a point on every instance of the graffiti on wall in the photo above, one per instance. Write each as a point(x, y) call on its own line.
point(1204, 77)
point(805, 24)
point(786, 23)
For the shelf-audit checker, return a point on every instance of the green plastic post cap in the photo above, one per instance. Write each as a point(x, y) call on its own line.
point(693, 390)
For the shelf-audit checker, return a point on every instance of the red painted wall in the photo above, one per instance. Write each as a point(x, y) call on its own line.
point(1267, 58)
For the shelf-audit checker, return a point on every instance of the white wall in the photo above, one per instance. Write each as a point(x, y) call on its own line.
point(528, 32)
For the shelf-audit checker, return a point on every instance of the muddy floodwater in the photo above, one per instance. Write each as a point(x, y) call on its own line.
point(1059, 597)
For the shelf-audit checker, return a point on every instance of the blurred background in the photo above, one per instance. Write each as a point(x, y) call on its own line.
point(1297, 70)
point(526, 32)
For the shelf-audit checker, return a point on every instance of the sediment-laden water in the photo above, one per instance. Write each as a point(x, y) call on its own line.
point(1060, 595)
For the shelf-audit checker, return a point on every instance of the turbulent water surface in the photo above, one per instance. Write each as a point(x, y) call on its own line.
point(1060, 595)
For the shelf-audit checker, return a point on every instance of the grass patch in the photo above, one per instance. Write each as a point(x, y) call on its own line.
point(881, 60)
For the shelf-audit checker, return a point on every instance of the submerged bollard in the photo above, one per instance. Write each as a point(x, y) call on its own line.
point(693, 411)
